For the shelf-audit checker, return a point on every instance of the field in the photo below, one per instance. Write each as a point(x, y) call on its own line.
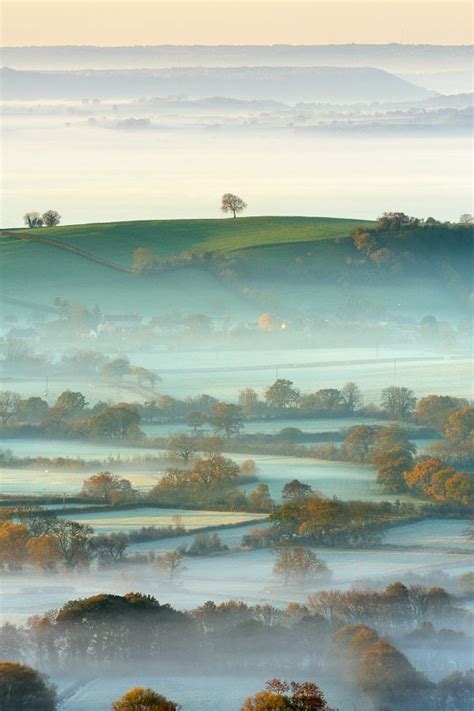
point(209, 693)
point(129, 520)
point(342, 479)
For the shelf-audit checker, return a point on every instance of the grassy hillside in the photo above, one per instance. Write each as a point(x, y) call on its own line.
point(117, 240)
point(40, 272)
point(278, 261)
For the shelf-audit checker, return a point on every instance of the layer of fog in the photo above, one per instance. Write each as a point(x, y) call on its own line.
point(92, 175)
point(371, 374)
point(247, 575)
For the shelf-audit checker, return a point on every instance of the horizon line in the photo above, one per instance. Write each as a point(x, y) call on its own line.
point(236, 45)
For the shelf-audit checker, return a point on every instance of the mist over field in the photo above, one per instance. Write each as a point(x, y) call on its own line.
point(234, 450)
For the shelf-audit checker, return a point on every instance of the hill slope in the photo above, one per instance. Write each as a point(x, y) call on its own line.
point(267, 263)
point(117, 240)
point(50, 271)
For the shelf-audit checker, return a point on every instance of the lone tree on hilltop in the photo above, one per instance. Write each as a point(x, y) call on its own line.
point(51, 218)
point(232, 203)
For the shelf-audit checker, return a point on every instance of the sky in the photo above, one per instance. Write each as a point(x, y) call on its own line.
point(110, 23)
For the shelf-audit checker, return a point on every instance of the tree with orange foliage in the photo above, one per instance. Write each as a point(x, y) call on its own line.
point(139, 699)
point(385, 674)
point(14, 538)
point(22, 688)
point(419, 477)
point(43, 553)
point(460, 488)
point(434, 410)
point(283, 696)
point(391, 466)
point(107, 486)
point(358, 442)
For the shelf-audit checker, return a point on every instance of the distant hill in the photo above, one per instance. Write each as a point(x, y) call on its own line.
point(338, 84)
point(391, 57)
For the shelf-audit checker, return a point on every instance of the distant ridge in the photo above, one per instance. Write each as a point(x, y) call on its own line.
point(392, 57)
point(346, 84)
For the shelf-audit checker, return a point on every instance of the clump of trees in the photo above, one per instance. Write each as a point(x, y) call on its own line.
point(299, 565)
point(226, 418)
point(431, 477)
point(109, 488)
point(70, 415)
point(28, 537)
point(435, 410)
point(119, 421)
point(457, 447)
point(206, 544)
point(210, 481)
point(329, 522)
point(282, 394)
point(398, 402)
point(392, 456)
point(283, 696)
point(50, 218)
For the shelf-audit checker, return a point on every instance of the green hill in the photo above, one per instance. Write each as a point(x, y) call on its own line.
point(267, 262)
point(117, 240)
point(36, 270)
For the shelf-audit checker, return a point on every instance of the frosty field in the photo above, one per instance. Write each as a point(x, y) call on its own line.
point(196, 693)
point(130, 520)
point(342, 479)
point(247, 575)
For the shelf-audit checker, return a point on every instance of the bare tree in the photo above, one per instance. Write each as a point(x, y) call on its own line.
point(466, 219)
point(352, 396)
point(232, 203)
point(171, 563)
point(9, 402)
point(33, 219)
point(51, 218)
point(399, 403)
point(299, 564)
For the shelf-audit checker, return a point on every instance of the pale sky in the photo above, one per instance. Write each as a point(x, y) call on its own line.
point(108, 22)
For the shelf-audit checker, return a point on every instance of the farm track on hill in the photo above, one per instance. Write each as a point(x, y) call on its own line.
point(74, 250)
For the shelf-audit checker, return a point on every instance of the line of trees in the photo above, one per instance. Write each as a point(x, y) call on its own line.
point(135, 632)
point(281, 398)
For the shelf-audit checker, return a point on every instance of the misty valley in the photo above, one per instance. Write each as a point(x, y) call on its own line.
point(236, 440)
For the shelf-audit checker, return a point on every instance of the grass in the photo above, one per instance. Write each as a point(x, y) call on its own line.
point(34, 271)
point(106, 522)
point(117, 240)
